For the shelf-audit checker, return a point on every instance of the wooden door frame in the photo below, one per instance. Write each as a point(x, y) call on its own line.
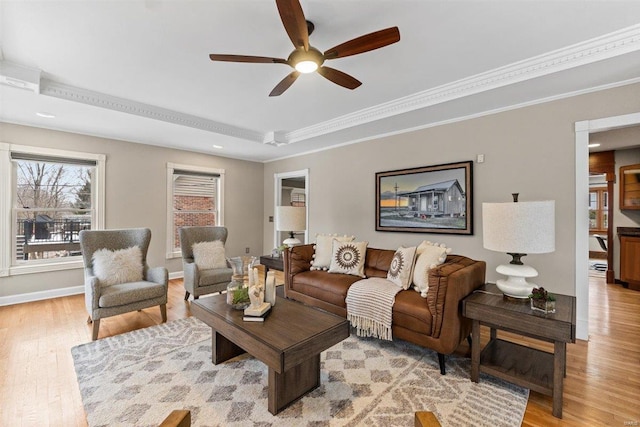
point(604, 162)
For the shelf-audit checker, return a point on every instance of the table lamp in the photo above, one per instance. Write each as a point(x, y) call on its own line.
point(291, 219)
point(518, 228)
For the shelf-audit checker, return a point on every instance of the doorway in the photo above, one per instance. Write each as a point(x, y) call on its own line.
point(291, 189)
point(582, 131)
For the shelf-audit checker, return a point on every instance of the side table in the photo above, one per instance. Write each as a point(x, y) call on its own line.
point(271, 263)
point(535, 369)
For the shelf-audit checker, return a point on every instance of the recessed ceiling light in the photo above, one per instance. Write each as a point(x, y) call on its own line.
point(45, 115)
point(594, 145)
point(217, 146)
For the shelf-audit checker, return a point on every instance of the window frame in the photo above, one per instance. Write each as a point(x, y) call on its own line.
point(601, 210)
point(171, 168)
point(8, 180)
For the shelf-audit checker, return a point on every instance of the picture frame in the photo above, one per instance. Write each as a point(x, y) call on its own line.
point(429, 199)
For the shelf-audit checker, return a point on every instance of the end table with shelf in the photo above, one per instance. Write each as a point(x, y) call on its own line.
point(272, 263)
point(535, 369)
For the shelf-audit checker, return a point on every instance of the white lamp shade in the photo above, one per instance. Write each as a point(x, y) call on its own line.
point(291, 218)
point(519, 227)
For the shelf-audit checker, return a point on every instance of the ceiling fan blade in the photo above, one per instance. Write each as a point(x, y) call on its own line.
point(294, 22)
point(285, 84)
point(247, 58)
point(339, 78)
point(364, 43)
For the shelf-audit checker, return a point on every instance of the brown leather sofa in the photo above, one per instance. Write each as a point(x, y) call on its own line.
point(434, 322)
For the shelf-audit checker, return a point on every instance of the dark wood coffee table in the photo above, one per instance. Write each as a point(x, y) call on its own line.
point(289, 342)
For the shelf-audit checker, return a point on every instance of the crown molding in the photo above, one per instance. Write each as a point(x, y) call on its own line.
point(614, 44)
point(97, 99)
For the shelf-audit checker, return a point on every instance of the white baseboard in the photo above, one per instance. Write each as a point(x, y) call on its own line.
point(40, 295)
point(56, 293)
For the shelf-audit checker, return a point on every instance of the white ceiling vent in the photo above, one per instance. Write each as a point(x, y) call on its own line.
point(19, 76)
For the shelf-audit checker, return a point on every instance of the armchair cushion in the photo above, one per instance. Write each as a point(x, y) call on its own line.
point(118, 266)
point(214, 276)
point(209, 255)
point(126, 293)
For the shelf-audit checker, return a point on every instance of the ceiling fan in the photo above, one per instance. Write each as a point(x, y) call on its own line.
point(306, 58)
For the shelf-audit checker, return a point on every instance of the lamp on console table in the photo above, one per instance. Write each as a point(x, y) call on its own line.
point(291, 219)
point(518, 228)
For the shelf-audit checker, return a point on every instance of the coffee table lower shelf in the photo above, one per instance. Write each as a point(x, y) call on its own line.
point(524, 366)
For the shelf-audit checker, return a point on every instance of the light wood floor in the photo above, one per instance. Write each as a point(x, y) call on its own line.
point(38, 384)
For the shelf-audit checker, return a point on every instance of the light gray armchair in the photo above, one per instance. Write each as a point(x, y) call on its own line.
point(103, 300)
point(196, 281)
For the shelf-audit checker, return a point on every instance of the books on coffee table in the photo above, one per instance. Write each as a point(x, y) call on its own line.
point(260, 318)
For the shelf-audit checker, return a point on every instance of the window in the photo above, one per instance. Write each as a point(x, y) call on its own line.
point(195, 197)
point(49, 197)
point(598, 210)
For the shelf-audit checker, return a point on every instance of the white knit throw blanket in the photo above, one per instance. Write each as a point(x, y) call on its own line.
point(370, 307)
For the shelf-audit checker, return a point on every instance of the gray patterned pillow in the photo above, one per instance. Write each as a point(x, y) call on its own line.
point(348, 258)
point(401, 268)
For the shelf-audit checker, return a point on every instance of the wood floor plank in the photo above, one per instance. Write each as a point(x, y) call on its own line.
point(38, 384)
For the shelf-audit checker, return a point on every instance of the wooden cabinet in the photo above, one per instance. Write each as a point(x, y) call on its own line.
point(630, 261)
point(630, 187)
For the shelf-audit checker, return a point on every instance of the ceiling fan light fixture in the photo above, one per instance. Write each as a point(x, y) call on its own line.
point(306, 61)
point(306, 66)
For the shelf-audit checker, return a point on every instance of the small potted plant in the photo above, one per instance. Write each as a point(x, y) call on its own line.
point(541, 300)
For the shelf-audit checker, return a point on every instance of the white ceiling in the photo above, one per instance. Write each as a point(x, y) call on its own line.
point(139, 70)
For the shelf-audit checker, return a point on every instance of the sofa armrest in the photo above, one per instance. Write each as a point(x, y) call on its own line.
point(296, 260)
point(449, 284)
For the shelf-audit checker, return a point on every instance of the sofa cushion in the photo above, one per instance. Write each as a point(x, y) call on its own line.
point(208, 255)
point(119, 266)
point(402, 266)
point(324, 249)
point(348, 258)
point(331, 288)
point(410, 311)
point(125, 293)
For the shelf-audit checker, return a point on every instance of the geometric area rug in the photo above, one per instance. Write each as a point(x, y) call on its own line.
point(138, 378)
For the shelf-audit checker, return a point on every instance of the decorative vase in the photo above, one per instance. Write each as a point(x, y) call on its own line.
point(238, 288)
point(543, 306)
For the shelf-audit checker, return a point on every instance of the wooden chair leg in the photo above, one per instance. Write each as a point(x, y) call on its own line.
point(96, 327)
point(163, 312)
point(186, 295)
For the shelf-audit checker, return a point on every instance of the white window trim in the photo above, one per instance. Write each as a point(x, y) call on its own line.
point(6, 209)
point(170, 253)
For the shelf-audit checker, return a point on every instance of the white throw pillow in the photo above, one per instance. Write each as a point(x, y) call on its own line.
point(402, 266)
point(429, 255)
point(348, 258)
point(324, 249)
point(119, 266)
point(209, 255)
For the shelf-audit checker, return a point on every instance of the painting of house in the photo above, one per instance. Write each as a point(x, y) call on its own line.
point(436, 200)
point(429, 199)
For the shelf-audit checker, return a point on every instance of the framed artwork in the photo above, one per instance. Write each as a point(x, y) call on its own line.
point(428, 199)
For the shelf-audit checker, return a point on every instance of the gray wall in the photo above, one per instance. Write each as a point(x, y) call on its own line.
point(529, 150)
point(136, 197)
